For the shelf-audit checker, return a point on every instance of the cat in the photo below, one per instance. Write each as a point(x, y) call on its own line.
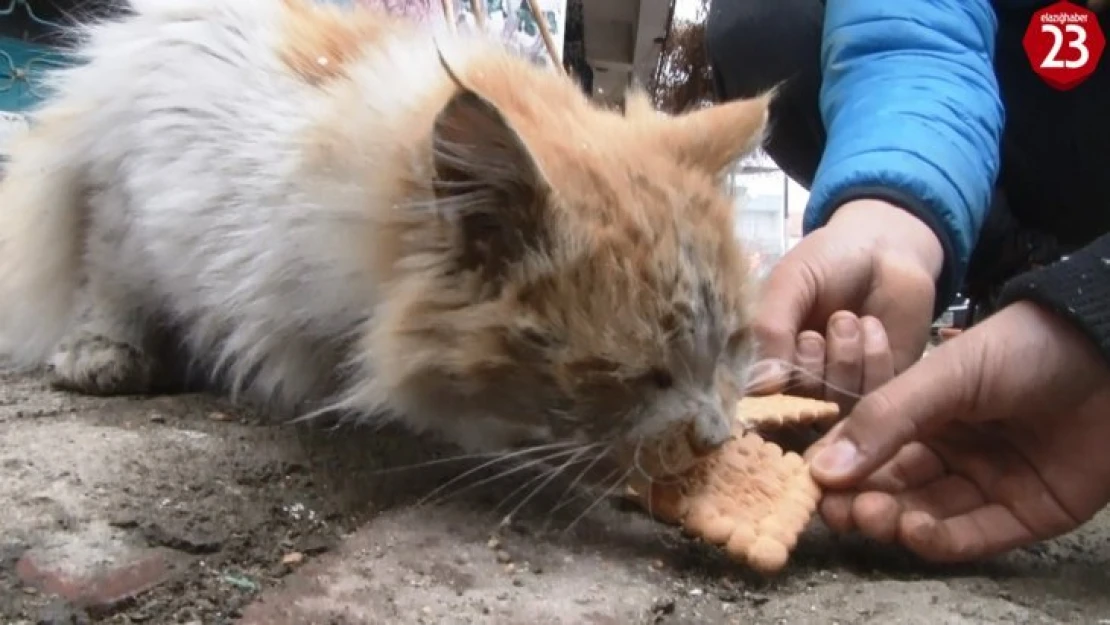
point(330, 206)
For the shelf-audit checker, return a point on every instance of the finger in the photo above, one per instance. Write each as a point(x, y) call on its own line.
point(836, 511)
point(932, 392)
point(815, 449)
point(1013, 482)
point(914, 465)
point(878, 361)
point(983, 532)
point(844, 359)
point(904, 311)
point(787, 296)
point(877, 515)
point(810, 378)
point(950, 496)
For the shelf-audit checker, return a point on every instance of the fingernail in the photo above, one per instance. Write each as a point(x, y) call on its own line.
point(809, 347)
point(838, 459)
point(871, 326)
point(845, 327)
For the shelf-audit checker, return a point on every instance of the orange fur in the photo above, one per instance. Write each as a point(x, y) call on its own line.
point(637, 235)
point(320, 40)
point(621, 266)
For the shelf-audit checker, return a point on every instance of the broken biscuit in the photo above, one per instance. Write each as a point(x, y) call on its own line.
point(747, 496)
point(780, 411)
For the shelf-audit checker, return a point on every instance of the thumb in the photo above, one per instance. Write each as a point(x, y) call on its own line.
point(932, 392)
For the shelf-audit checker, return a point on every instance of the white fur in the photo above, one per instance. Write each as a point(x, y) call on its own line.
point(173, 169)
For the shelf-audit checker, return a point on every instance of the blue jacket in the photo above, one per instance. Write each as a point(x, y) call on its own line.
point(912, 109)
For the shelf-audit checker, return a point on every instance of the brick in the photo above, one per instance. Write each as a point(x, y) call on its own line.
point(98, 590)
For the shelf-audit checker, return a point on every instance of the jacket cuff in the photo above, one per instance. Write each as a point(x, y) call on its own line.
point(1076, 287)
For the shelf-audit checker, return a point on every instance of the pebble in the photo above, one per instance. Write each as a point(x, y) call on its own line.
point(663, 605)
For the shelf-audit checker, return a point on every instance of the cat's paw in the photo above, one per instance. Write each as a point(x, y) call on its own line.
point(97, 365)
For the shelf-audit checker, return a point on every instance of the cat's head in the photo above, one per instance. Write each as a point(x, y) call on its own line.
point(576, 275)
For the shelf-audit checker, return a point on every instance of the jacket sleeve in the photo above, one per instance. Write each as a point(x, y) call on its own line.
point(911, 105)
point(1076, 287)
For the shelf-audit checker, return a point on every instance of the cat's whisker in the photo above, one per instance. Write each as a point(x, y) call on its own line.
point(570, 494)
point(487, 464)
point(604, 495)
point(640, 469)
point(541, 474)
point(762, 372)
point(459, 458)
point(503, 474)
point(667, 468)
point(553, 474)
point(603, 480)
point(562, 415)
point(796, 369)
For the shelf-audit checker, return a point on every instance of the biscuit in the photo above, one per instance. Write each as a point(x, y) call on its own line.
point(779, 411)
point(748, 497)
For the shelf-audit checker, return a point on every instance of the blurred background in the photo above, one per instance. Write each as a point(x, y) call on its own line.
point(607, 44)
point(660, 44)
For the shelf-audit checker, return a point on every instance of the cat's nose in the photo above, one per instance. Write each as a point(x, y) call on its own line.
point(709, 430)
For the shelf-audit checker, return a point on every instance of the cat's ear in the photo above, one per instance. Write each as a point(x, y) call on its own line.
point(488, 182)
point(714, 138)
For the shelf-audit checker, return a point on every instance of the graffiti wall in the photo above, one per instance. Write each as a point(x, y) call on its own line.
point(509, 20)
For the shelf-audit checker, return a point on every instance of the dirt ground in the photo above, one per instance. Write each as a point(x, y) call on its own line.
point(262, 524)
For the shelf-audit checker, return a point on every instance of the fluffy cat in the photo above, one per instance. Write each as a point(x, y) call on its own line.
point(331, 207)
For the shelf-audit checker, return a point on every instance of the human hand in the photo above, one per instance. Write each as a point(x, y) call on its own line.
point(872, 258)
point(996, 440)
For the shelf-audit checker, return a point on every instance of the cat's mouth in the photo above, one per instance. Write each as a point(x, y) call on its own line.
point(668, 454)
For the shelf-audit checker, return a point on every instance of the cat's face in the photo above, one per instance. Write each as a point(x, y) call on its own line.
point(579, 277)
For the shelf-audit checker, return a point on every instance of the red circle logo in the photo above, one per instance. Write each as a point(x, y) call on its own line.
point(1064, 43)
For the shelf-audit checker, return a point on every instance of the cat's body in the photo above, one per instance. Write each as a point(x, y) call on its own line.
point(260, 176)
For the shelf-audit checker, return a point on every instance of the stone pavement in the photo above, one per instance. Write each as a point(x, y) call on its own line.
point(184, 510)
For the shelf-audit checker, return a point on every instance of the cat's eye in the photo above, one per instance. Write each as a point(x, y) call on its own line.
point(661, 378)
